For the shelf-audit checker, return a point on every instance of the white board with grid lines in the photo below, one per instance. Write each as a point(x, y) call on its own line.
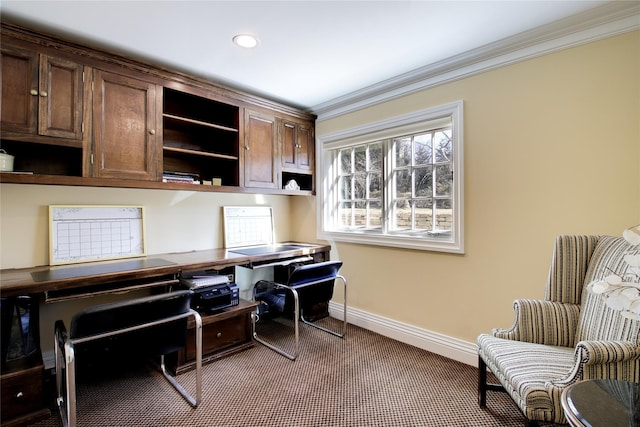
point(248, 226)
point(95, 233)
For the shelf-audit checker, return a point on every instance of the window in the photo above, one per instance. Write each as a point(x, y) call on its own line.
point(395, 183)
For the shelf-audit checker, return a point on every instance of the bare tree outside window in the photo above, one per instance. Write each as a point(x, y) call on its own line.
point(361, 180)
point(422, 174)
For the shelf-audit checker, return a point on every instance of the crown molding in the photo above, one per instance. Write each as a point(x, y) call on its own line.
point(609, 20)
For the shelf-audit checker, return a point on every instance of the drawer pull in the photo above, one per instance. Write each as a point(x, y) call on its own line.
point(19, 395)
point(219, 334)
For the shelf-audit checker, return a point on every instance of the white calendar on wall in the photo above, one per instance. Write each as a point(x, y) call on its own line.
point(248, 226)
point(95, 233)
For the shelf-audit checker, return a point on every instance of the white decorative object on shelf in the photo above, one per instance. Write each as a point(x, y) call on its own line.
point(622, 291)
point(292, 185)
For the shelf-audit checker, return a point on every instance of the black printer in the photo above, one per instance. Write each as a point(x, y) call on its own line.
point(211, 292)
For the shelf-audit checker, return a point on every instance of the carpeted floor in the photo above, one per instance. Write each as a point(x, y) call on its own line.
point(364, 379)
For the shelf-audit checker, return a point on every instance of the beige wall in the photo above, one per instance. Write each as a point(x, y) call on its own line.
point(551, 145)
point(175, 221)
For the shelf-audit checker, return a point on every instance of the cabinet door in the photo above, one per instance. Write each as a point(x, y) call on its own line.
point(19, 90)
point(260, 168)
point(41, 95)
point(125, 142)
point(306, 147)
point(289, 145)
point(60, 98)
point(297, 146)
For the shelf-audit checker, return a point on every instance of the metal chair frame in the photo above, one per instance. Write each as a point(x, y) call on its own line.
point(299, 315)
point(65, 360)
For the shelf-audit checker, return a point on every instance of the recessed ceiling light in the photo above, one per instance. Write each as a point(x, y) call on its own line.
point(245, 40)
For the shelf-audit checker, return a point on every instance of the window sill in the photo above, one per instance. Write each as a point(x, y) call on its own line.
point(405, 242)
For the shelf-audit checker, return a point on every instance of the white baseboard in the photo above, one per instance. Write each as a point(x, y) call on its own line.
point(453, 348)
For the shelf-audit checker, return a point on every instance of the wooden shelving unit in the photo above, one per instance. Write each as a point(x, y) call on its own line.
point(200, 137)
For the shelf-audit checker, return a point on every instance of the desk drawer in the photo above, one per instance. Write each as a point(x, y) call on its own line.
point(21, 392)
point(223, 333)
point(219, 335)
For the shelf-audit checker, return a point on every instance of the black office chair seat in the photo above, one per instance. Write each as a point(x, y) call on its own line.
point(148, 326)
point(307, 285)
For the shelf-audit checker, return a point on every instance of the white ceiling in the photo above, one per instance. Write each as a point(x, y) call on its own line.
point(310, 52)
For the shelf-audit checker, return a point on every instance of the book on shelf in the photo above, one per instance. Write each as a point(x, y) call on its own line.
point(181, 177)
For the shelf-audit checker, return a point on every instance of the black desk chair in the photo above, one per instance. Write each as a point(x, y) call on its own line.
point(307, 285)
point(148, 326)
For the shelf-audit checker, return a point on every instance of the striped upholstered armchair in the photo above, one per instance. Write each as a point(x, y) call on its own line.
point(571, 335)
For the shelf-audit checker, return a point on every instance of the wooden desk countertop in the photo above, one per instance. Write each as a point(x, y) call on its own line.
point(36, 280)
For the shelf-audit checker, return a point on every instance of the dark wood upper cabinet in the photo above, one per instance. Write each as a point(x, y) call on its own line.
point(260, 150)
point(125, 135)
point(75, 115)
point(41, 94)
point(297, 146)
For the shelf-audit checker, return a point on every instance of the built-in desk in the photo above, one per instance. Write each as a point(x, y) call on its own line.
point(138, 271)
point(228, 331)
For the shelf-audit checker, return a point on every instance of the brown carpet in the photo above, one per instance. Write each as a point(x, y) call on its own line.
point(364, 379)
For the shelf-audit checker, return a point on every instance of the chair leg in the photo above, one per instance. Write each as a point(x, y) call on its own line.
point(65, 376)
point(344, 315)
point(482, 383)
point(296, 316)
point(172, 380)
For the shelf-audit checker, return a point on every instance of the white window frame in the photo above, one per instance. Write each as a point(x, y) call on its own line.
point(411, 123)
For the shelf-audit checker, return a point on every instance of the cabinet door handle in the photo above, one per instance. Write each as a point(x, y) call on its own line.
point(219, 334)
point(246, 147)
point(43, 93)
point(34, 92)
point(152, 131)
point(19, 394)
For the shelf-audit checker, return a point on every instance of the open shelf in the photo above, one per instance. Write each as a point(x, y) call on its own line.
point(199, 153)
point(200, 137)
point(197, 122)
point(200, 110)
point(304, 181)
point(44, 159)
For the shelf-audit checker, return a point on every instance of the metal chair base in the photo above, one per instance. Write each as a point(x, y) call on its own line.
point(298, 316)
point(65, 361)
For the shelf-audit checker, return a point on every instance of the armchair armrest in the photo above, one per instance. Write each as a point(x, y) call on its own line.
point(542, 322)
point(602, 360)
point(600, 352)
point(616, 360)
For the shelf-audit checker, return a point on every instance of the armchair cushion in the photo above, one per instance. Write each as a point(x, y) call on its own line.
point(524, 369)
